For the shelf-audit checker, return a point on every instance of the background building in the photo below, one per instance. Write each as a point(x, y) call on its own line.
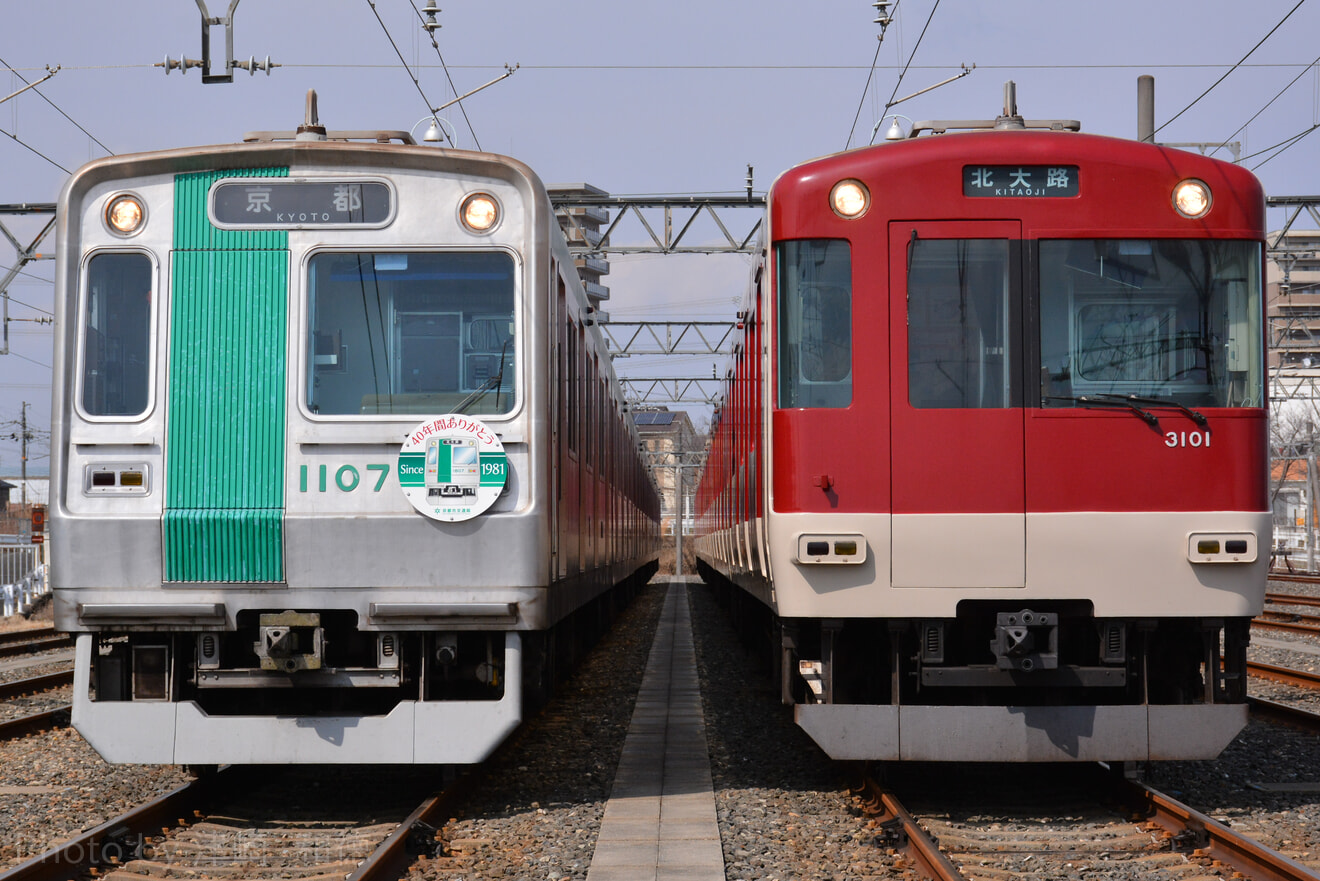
point(670, 442)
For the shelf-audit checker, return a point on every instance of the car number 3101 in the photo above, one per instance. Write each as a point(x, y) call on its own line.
point(1187, 438)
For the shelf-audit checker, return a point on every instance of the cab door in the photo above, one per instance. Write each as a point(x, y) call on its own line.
point(958, 475)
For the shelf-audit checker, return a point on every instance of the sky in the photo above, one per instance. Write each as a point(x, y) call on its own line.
point(672, 98)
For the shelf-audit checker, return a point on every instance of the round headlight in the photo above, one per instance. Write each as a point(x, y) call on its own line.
point(125, 214)
point(1192, 198)
point(480, 212)
point(850, 199)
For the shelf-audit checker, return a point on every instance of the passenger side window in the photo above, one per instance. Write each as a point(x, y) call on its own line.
point(815, 323)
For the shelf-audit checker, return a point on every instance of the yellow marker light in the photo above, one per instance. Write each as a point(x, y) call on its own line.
point(850, 199)
point(480, 212)
point(125, 214)
point(1192, 198)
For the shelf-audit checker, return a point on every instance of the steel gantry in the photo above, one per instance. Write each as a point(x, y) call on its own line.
point(677, 219)
point(24, 256)
point(593, 221)
point(627, 338)
point(1296, 204)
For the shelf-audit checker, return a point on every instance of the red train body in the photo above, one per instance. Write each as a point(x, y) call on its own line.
point(992, 457)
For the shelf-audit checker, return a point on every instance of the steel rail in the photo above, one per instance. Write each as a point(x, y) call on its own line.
point(58, 641)
point(1293, 626)
point(1294, 577)
point(1213, 840)
point(35, 684)
point(36, 722)
point(903, 833)
point(1286, 675)
point(1285, 599)
point(1287, 713)
point(9, 636)
point(119, 839)
point(417, 834)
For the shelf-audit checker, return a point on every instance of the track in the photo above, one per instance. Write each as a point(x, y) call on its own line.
point(1286, 675)
point(357, 823)
point(36, 639)
point(1058, 823)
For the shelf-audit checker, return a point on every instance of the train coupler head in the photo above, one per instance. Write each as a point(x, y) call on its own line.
point(1026, 640)
point(290, 641)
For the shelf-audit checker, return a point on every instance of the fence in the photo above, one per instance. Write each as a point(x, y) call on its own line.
point(22, 575)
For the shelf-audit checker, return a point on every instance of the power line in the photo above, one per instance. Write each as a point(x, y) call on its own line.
point(19, 141)
point(899, 82)
point(430, 33)
point(402, 60)
point(1234, 67)
point(12, 299)
point(7, 269)
point(1285, 145)
point(59, 110)
point(880, 39)
point(29, 360)
point(1291, 83)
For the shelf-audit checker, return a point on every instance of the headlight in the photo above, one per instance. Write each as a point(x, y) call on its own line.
point(850, 199)
point(1192, 198)
point(125, 214)
point(480, 212)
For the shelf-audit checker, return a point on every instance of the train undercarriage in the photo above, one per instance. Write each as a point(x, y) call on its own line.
point(1004, 682)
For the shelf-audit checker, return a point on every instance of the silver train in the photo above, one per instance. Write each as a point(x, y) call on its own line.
point(341, 470)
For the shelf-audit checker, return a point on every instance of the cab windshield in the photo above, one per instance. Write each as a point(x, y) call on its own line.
point(1158, 319)
point(411, 333)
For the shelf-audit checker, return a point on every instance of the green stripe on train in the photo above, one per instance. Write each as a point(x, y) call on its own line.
point(224, 500)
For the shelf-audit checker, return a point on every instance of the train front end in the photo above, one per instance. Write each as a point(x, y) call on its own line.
point(1017, 448)
point(298, 504)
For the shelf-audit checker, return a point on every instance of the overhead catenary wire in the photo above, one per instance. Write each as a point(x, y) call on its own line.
point(33, 149)
point(880, 39)
point(14, 354)
point(1233, 68)
point(1283, 146)
point(59, 110)
point(1277, 96)
point(412, 76)
point(922, 36)
point(436, 46)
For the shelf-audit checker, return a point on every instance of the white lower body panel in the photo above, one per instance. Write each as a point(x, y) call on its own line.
point(1021, 734)
point(414, 732)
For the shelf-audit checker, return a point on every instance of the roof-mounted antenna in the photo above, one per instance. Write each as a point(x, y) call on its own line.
point(1010, 119)
point(311, 129)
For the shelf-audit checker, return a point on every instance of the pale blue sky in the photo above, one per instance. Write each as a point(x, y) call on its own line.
point(635, 98)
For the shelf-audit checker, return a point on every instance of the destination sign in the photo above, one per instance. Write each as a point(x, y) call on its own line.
point(275, 203)
point(1020, 181)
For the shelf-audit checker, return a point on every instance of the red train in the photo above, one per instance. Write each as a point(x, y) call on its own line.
point(991, 465)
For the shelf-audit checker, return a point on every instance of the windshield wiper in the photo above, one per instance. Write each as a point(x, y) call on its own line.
point(1198, 418)
point(494, 382)
point(1109, 401)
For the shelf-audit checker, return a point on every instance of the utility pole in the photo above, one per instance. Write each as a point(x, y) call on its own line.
point(1311, 486)
point(678, 515)
point(24, 437)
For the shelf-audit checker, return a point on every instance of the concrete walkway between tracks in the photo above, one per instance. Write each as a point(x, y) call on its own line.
point(659, 823)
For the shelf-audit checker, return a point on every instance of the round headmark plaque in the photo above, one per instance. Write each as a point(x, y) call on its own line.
point(452, 467)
